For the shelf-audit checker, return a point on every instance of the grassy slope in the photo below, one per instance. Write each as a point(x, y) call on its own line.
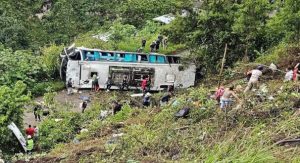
point(129, 43)
point(247, 134)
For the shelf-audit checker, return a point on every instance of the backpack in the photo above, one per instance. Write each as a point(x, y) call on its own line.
point(182, 113)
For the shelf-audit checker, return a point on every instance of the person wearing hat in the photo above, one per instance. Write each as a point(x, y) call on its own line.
point(29, 144)
point(255, 74)
point(146, 99)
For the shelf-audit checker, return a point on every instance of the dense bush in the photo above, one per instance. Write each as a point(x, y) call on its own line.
point(59, 128)
point(51, 59)
point(13, 101)
point(41, 88)
point(20, 65)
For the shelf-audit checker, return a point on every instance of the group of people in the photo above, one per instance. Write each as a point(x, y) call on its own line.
point(155, 45)
point(164, 100)
point(223, 95)
point(32, 135)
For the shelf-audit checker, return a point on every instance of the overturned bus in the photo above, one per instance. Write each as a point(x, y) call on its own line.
point(80, 64)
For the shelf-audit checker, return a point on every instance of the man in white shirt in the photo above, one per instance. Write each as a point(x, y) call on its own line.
point(289, 74)
point(255, 74)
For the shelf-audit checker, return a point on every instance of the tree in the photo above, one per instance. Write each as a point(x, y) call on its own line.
point(249, 23)
point(286, 22)
point(20, 65)
point(13, 101)
point(213, 31)
point(137, 12)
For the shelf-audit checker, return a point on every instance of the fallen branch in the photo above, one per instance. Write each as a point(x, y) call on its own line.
point(282, 142)
point(182, 128)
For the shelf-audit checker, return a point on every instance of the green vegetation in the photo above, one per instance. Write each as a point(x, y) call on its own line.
point(31, 40)
point(13, 101)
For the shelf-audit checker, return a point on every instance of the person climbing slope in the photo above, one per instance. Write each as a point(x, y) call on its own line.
point(226, 100)
point(253, 82)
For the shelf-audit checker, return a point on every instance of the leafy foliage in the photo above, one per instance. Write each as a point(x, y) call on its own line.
point(59, 128)
point(51, 60)
point(13, 101)
point(20, 65)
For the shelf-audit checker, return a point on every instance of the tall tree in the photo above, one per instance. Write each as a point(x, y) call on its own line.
point(286, 22)
point(249, 23)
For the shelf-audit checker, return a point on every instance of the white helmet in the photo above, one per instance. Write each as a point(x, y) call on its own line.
point(148, 94)
point(29, 136)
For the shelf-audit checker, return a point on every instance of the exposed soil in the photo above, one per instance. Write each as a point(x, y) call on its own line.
point(71, 100)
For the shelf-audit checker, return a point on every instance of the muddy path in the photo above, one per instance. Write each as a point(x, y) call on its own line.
point(63, 99)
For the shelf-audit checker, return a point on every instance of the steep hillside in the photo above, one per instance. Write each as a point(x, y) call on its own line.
point(262, 127)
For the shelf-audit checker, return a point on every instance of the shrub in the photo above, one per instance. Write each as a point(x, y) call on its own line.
point(59, 128)
point(13, 101)
point(41, 88)
point(51, 59)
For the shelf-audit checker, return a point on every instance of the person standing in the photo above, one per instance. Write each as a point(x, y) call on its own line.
point(83, 106)
point(289, 74)
point(95, 83)
point(157, 45)
point(255, 74)
point(148, 85)
point(165, 43)
point(296, 72)
point(125, 83)
point(69, 86)
point(29, 131)
point(37, 116)
point(144, 84)
point(29, 144)
point(152, 46)
point(144, 43)
point(109, 83)
point(36, 131)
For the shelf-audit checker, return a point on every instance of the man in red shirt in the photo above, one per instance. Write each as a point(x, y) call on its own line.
point(144, 84)
point(30, 131)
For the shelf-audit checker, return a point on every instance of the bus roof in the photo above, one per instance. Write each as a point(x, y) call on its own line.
point(110, 51)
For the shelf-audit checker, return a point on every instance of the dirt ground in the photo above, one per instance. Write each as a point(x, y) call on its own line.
point(64, 99)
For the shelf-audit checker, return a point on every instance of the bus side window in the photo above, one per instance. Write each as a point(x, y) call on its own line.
point(90, 56)
point(120, 57)
point(97, 56)
point(170, 59)
point(144, 58)
point(103, 56)
point(161, 59)
point(110, 56)
point(176, 60)
point(128, 58)
point(152, 58)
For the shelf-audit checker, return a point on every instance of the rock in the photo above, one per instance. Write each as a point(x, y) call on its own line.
point(117, 135)
point(84, 130)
